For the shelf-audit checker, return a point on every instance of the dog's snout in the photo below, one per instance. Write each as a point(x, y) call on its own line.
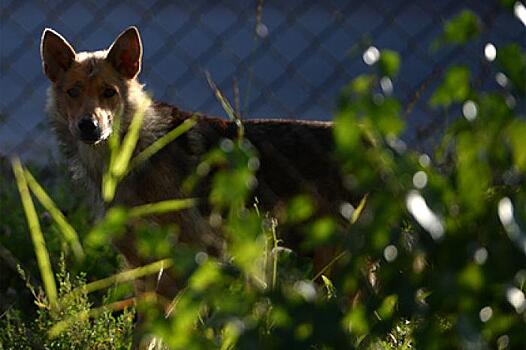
point(89, 129)
point(87, 125)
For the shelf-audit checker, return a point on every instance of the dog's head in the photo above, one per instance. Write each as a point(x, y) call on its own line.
point(90, 88)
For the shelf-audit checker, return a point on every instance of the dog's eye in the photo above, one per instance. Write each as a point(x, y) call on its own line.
point(74, 92)
point(109, 92)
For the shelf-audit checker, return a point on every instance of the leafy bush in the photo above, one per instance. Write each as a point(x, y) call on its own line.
point(433, 257)
point(78, 325)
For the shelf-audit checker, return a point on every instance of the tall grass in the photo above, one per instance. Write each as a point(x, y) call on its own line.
point(37, 237)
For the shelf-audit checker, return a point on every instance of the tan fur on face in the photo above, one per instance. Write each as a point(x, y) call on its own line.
point(91, 74)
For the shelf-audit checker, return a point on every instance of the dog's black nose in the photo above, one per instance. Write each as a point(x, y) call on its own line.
point(89, 130)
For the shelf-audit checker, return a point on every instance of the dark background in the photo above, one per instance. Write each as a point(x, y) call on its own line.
point(306, 51)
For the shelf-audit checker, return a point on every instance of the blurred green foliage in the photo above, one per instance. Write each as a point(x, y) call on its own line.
point(434, 259)
point(461, 28)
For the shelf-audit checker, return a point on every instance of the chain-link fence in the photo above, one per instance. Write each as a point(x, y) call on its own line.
point(285, 59)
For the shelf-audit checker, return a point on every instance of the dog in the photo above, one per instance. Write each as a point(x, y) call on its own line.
point(89, 89)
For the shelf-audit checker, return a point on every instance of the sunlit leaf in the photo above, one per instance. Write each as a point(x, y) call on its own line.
point(280, 317)
point(517, 136)
point(389, 63)
point(300, 208)
point(362, 84)
point(387, 117)
point(205, 276)
point(387, 307)
point(247, 243)
point(331, 290)
point(321, 232)
point(471, 277)
point(230, 334)
point(512, 59)
point(112, 225)
point(356, 321)
point(461, 28)
point(346, 131)
point(473, 173)
point(454, 88)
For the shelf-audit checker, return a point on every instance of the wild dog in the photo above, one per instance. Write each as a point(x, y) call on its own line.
point(89, 89)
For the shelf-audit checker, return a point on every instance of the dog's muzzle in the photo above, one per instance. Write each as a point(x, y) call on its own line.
point(89, 130)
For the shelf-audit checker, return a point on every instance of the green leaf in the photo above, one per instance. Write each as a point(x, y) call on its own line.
point(471, 277)
point(388, 306)
point(230, 188)
point(205, 276)
point(389, 63)
point(517, 136)
point(474, 175)
point(331, 290)
point(461, 28)
point(387, 117)
point(454, 88)
point(112, 225)
point(362, 84)
point(512, 60)
point(303, 331)
point(346, 131)
point(280, 316)
point(320, 232)
point(508, 3)
point(247, 242)
point(300, 208)
point(356, 321)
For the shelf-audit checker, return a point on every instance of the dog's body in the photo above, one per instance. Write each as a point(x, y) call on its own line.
point(89, 89)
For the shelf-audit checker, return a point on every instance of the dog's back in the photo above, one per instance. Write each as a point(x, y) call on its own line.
point(295, 157)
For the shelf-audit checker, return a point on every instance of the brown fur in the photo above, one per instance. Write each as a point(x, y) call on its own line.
point(295, 156)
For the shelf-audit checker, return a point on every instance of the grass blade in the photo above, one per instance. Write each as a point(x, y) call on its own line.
point(162, 142)
point(328, 266)
point(125, 276)
point(121, 154)
point(125, 151)
point(39, 244)
point(227, 107)
point(109, 183)
point(69, 233)
point(162, 207)
point(358, 212)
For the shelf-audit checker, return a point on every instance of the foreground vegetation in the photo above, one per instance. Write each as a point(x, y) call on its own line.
point(434, 257)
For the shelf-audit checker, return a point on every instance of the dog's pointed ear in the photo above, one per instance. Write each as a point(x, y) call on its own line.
point(126, 52)
point(57, 54)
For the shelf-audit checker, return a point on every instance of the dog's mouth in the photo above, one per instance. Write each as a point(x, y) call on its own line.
point(92, 140)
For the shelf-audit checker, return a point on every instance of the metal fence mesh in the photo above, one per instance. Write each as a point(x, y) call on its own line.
point(287, 59)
